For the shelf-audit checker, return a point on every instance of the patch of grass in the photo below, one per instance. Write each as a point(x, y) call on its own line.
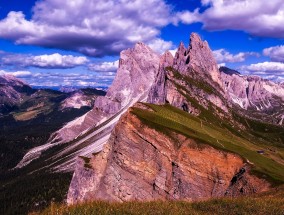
point(167, 117)
point(268, 203)
point(23, 116)
point(194, 80)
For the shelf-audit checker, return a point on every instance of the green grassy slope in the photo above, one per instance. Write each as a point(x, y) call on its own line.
point(167, 118)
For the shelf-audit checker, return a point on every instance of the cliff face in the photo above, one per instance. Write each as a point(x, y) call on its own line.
point(142, 163)
point(137, 70)
point(198, 57)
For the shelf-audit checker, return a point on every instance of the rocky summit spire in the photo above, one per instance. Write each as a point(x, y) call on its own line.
point(201, 58)
point(197, 57)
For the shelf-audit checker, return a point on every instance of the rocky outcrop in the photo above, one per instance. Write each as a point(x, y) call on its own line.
point(198, 57)
point(138, 67)
point(81, 98)
point(157, 94)
point(141, 163)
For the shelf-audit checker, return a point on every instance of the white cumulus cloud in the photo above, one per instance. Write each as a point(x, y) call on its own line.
point(275, 53)
point(223, 56)
point(92, 27)
point(267, 67)
point(257, 17)
point(55, 60)
point(104, 66)
point(18, 74)
point(268, 70)
point(160, 45)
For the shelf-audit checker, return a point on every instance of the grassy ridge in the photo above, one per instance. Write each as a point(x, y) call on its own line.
point(268, 203)
point(171, 118)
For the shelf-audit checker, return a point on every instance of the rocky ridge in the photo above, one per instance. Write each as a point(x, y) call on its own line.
point(141, 163)
point(192, 75)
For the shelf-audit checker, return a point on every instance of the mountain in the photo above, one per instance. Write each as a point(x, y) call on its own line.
point(257, 98)
point(146, 159)
point(12, 91)
point(192, 139)
point(168, 128)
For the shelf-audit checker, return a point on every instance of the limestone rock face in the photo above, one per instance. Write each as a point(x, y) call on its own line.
point(201, 58)
point(180, 58)
point(137, 71)
point(157, 94)
point(140, 163)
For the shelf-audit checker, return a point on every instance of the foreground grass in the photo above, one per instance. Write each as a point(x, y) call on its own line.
point(268, 203)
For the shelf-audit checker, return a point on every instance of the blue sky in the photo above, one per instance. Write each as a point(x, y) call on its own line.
point(77, 42)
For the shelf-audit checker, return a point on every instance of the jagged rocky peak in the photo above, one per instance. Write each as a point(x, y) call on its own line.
point(180, 58)
point(262, 98)
point(198, 57)
point(137, 70)
point(193, 74)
